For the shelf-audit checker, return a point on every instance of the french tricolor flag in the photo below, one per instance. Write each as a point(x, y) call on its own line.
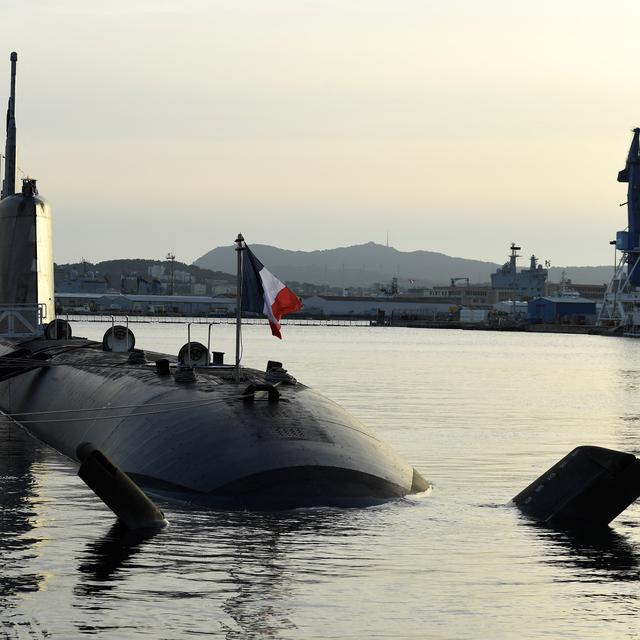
point(263, 293)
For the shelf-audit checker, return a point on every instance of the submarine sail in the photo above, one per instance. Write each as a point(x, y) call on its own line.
point(26, 245)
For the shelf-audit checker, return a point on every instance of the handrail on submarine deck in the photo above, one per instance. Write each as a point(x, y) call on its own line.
point(22, 320)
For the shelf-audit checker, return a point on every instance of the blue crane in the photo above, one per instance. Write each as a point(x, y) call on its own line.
point(629, 240)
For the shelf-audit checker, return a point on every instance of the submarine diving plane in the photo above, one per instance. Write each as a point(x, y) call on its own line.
point(182, 427)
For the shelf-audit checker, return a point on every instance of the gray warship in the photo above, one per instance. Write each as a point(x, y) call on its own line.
point(183, 427)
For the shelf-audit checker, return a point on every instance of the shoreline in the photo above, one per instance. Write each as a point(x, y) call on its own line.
point(345, 322)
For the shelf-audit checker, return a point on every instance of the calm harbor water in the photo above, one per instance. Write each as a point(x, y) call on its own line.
point(480, 414)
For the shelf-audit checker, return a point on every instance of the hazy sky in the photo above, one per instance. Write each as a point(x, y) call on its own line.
point(455, 125)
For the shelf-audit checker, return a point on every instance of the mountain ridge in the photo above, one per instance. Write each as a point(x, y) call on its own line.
point(365, 264)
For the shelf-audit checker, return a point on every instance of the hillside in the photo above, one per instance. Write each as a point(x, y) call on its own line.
point(582, 275)
point(362, 265)
point(359, 265)
point(114, 269)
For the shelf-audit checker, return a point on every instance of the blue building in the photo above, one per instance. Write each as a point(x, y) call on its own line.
point(562, 310)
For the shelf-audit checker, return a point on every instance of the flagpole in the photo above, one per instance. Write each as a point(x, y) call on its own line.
point(239, 249)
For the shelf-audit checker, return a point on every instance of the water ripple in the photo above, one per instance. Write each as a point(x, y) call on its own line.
point(481, 415)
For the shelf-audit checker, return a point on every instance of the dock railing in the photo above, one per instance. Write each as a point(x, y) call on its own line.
point(76, 317)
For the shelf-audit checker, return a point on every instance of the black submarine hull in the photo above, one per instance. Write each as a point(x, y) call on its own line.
point(203, 442)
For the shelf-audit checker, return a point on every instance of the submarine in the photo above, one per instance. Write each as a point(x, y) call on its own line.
point(184, 427)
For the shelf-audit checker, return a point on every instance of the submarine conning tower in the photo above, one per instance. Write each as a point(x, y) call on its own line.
point(629, 240)
point(27, 299)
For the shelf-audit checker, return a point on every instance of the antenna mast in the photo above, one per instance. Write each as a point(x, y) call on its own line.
point(239, 248)
point(172, 259)
point(9, 183)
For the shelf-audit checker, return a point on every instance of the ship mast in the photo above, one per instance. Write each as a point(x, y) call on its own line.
point(9, 183)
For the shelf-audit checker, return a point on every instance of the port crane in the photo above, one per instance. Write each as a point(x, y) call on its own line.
point(621, 304)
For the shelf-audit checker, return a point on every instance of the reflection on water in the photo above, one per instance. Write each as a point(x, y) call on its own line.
point(17, 510)
point(599, 554)
point(251, 550)
point(480, 414)
point(17, 514)
point(107, 555)
point(257, 569)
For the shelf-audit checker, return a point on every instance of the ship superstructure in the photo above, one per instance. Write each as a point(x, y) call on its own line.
point(525, 283)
